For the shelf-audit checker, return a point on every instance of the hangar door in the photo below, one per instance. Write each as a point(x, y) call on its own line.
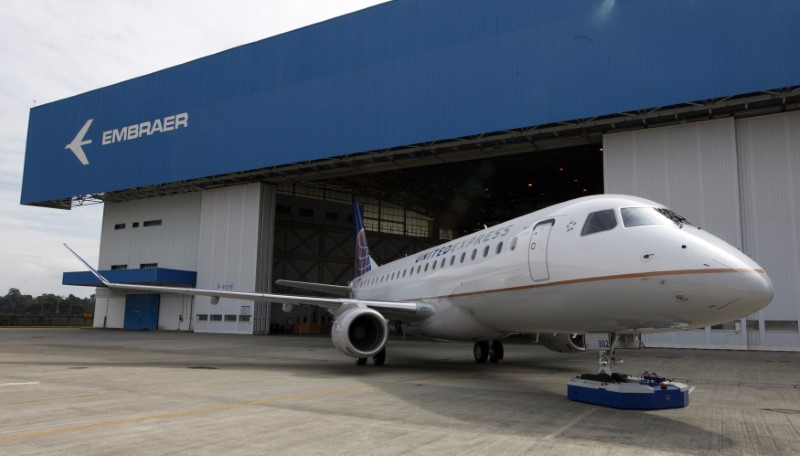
point(141, 312)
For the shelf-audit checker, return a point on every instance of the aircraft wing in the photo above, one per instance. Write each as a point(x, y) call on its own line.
point(408, 309)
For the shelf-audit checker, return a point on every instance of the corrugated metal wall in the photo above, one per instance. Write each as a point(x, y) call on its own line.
point(228, 256)
point(769, 157)
point(739, 180)
point(407, 72)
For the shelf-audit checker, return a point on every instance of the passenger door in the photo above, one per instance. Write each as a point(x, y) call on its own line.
point(537, 251)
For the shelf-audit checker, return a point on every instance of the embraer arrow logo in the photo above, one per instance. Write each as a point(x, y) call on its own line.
point(76, 146)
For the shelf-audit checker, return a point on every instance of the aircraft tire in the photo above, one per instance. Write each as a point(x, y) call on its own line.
point(380, 358)
point(481, 351)
point(497, 352)
point(361, 361)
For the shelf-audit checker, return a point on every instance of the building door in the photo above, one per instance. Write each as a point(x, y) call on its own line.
point(141, 312)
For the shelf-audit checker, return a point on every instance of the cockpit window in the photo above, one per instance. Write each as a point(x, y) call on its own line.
point(599, 221)
point(640, 216)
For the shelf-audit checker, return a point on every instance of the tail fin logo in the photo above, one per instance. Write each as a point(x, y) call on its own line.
point(361, 257)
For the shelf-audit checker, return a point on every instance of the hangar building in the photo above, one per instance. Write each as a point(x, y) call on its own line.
point(440, 116)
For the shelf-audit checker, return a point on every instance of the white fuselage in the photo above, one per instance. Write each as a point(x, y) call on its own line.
point(543, 272)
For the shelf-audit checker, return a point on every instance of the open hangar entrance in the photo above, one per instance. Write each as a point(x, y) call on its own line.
point(407, 210)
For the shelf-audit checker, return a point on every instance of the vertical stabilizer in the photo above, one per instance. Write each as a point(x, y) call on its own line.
point(363, 262)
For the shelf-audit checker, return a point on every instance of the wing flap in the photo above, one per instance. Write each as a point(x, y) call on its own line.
point(336, 290)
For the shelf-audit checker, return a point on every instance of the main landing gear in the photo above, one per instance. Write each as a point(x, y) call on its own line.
point(483, 351)
point(379, 359)
point(611, 389)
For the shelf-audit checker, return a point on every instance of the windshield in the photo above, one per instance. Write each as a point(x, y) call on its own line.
point(641, 216)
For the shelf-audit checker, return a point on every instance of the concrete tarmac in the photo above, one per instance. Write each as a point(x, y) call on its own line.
point(93, 392)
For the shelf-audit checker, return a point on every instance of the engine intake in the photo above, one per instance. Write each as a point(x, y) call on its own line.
point(360, 332)
point(563, 343)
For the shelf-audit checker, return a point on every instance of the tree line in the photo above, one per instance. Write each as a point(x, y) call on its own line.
point(16, 303)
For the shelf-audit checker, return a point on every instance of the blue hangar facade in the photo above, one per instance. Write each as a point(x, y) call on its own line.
point(694, 104)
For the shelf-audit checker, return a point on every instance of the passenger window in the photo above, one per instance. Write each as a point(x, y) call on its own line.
point(442, 265)
point(474, 252)
point(404, 273)
point(419, 268)
point(499, 248)
point(486, 251)
point(433, 266)
point(463, 255)
point(452, 260)
point(599, 221)
point(426, 266)
point(514, 243)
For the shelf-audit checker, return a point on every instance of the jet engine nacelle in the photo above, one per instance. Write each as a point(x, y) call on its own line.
point(563, 343)
point(360, 332)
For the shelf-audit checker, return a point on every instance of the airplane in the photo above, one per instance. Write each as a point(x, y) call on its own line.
point(591, 273)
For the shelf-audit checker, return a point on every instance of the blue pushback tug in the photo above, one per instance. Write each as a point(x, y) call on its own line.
point(648, 392)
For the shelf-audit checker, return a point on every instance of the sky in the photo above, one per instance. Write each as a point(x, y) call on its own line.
point(51, 50)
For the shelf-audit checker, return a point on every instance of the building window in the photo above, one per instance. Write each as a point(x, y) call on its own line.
point(202, 317)
point(118, 267)
point(216, 317)
point(119, 226)
point(729, 326)
point(135, 224)
point(332, 216)
point(148, 265)
point(780, 325)
point(230, 317)
point(306, 212)
point(280, 209)
point(244, 318)
point(152, 223)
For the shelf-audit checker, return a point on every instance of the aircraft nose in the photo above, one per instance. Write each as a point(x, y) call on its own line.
point(748, 289)
point(757, 291)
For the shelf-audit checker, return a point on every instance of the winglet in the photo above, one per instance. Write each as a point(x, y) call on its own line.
point(94, 271)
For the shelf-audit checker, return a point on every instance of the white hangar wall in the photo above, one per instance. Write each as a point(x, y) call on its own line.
point(737, 178)
point(126, 242)
point(224, 234)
